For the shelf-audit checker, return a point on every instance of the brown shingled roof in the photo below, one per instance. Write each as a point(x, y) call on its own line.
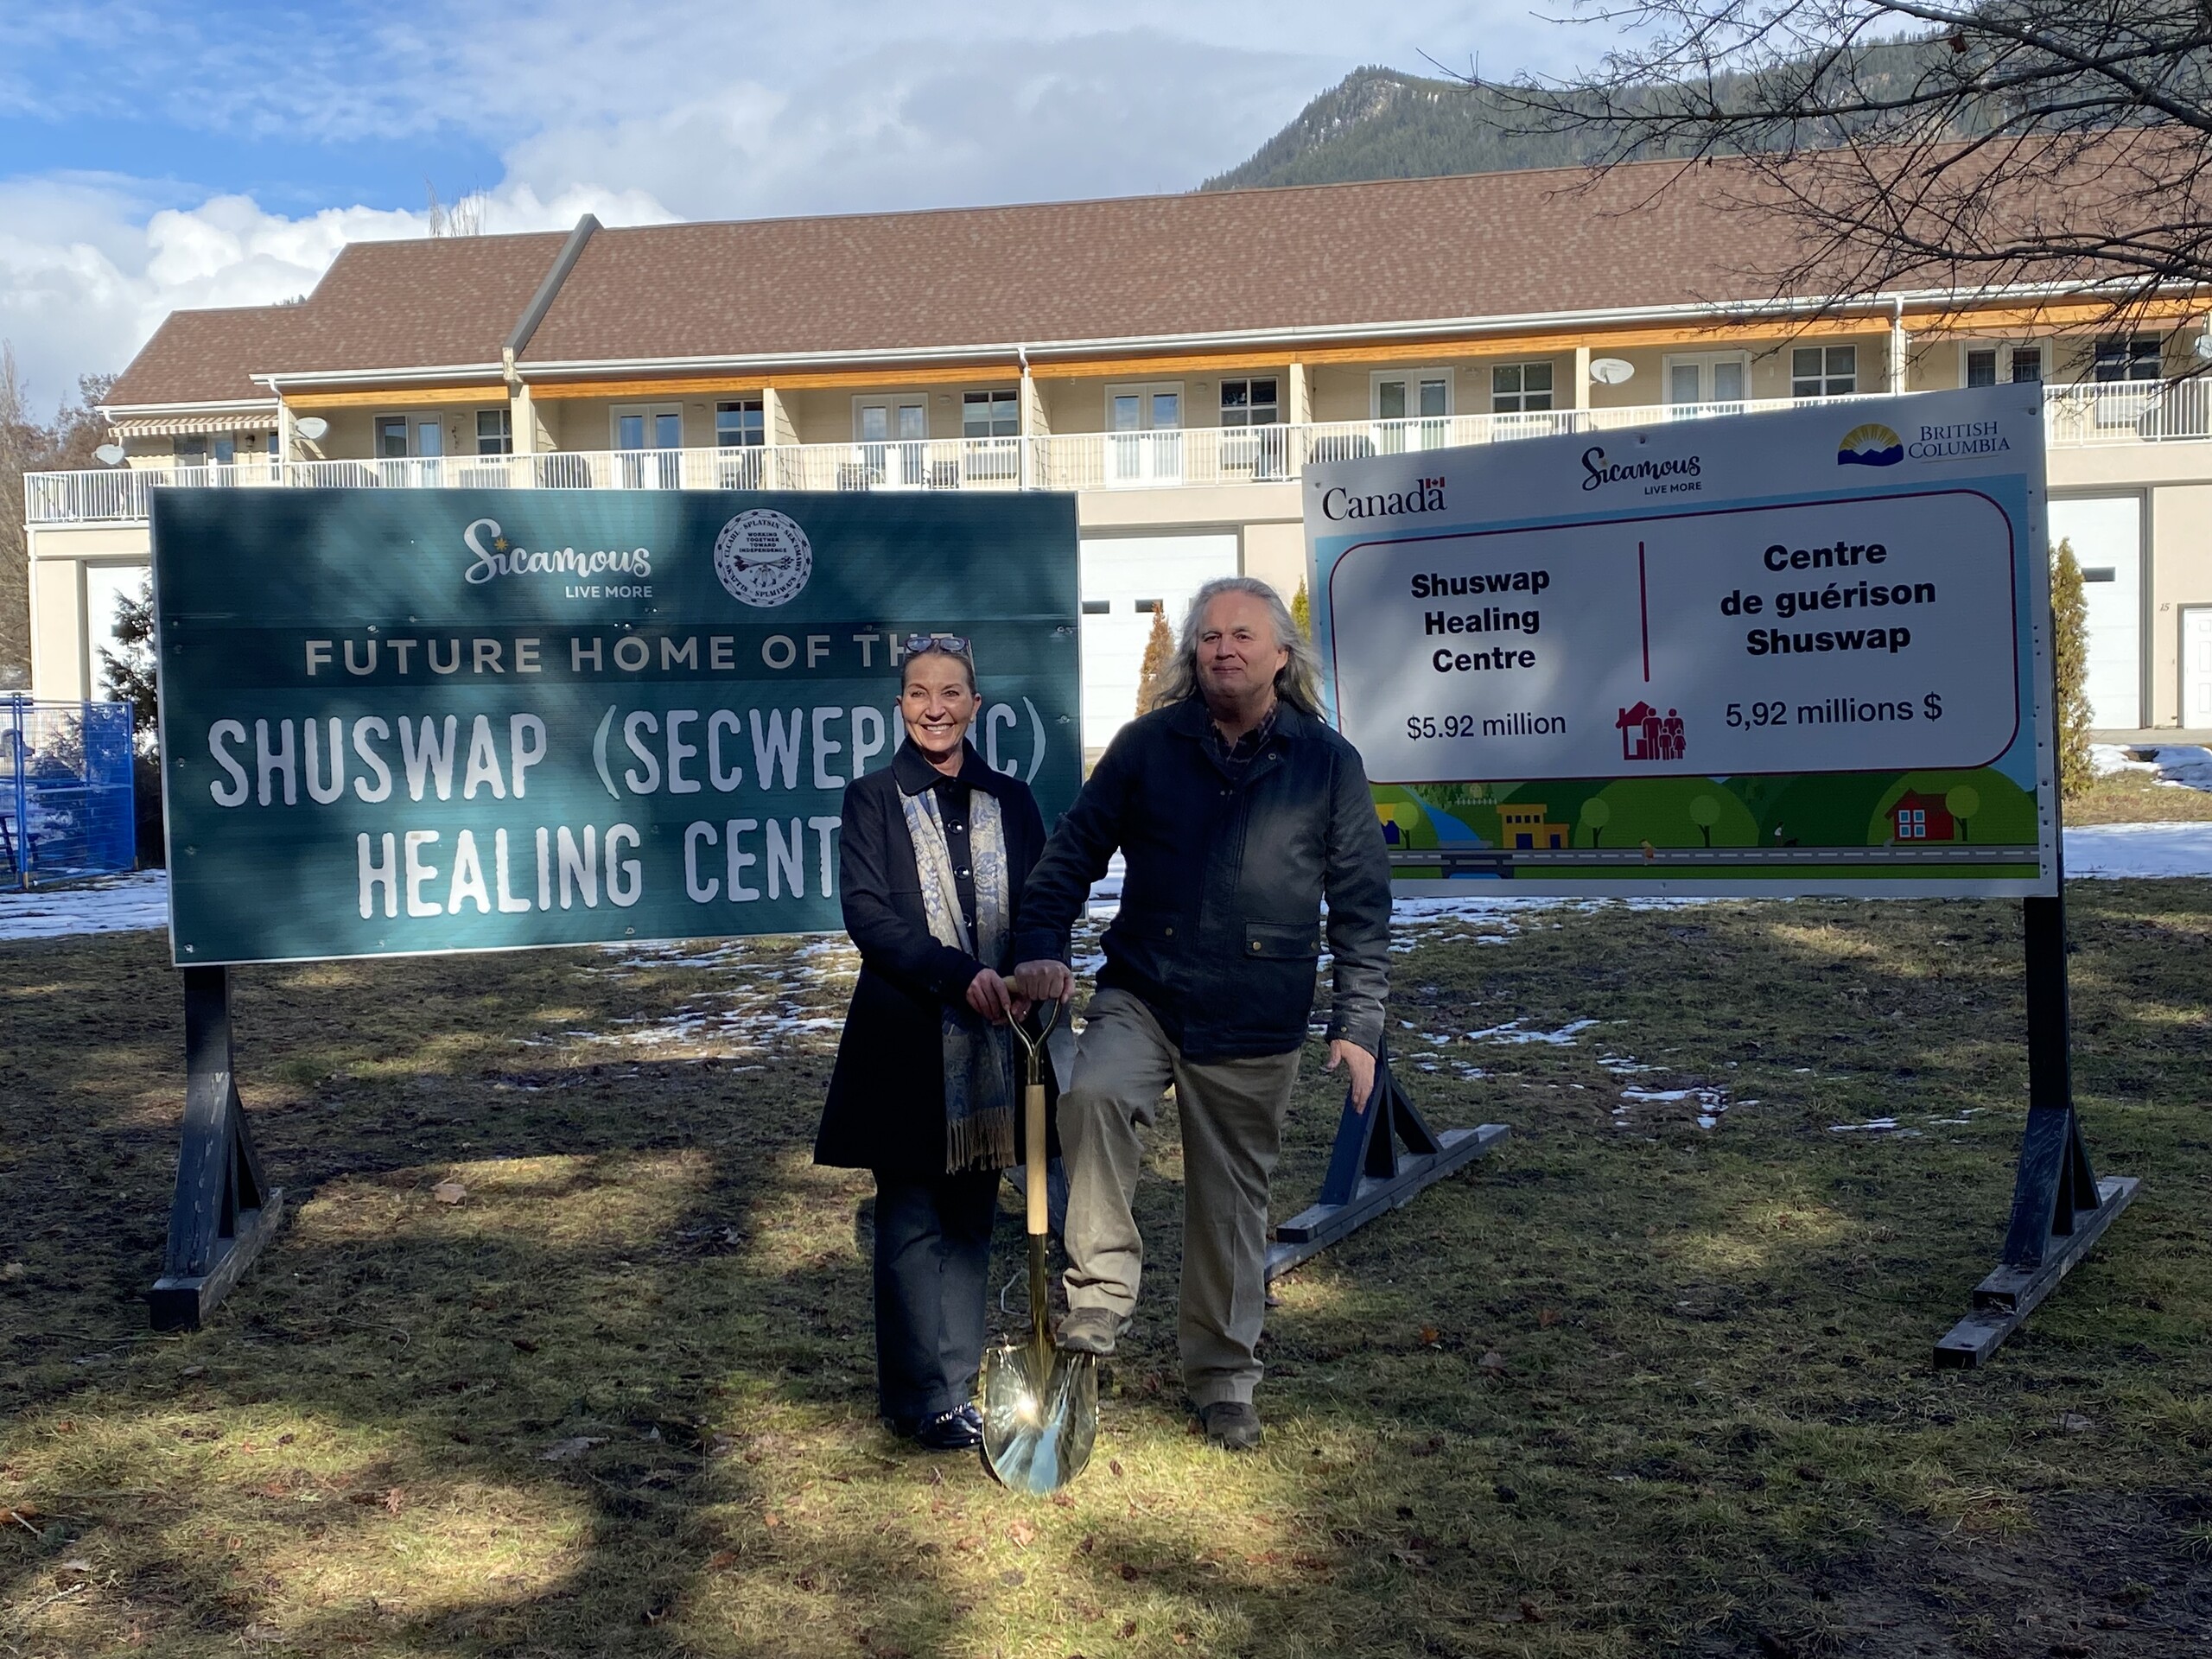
point(1484, 245)
point(206, 357)
point(416, 304)
point(1490, 244)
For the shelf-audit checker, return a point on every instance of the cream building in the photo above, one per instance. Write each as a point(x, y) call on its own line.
point(1175, 361)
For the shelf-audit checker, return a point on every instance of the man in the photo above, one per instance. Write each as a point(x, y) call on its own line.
point(1238, 811)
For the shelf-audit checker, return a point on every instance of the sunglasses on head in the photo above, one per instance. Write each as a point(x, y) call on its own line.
point(918, 642)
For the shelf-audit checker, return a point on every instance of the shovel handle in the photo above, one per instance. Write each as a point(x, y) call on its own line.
point(1033, 1112)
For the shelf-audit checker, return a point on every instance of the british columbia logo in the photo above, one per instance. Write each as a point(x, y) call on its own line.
point(763, 558)
point(1871, 445)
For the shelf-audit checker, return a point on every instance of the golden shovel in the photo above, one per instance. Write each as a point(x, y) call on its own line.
point(1041, 1405)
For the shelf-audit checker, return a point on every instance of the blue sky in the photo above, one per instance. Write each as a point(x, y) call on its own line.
point(155, 155)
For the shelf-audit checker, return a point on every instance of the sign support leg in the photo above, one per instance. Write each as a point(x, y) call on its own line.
point(1368, 1175)
point(2059, 1206)
point(223, 1212)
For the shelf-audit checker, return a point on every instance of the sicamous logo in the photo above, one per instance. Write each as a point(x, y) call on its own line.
point(1871, 445)
point(498, 556)
point(763, 557)
point(1664, 475)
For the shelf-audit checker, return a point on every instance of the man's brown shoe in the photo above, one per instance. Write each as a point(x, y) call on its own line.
point(1232, 1425)
point(1088, 1330)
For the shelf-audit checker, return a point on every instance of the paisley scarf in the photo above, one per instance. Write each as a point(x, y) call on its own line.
point(979, 1088)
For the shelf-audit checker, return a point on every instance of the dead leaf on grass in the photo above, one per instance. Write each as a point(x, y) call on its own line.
point(448, 1192)
point(1531, 1613)
point(1022, 1532)
point(1492, 1363)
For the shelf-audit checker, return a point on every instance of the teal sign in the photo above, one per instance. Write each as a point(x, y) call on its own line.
point(406, 721)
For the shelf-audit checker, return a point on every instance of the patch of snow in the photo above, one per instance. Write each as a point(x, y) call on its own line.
point(2120, 850)
point(116, 904)
point(2178, 765)
point(1512, 1032)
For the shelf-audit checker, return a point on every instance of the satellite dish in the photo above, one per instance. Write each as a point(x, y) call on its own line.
point(110, 454)
point(315, 429)
point(1612, 371)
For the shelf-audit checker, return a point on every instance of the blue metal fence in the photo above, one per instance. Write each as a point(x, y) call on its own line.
point(66, 803)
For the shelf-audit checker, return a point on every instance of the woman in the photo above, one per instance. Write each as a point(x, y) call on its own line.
point(933, 851)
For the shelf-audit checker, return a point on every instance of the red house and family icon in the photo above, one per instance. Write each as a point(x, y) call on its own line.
point(1646, 734)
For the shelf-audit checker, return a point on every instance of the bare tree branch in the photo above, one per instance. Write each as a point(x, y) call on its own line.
point(1913, 143)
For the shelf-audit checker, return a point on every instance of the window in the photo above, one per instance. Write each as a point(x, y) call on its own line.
point(191, 449)
point(740, 424)
point(1425, 393)
point(879, 420)
point(1249, 402)
point(1707, 378)
point(649, 427)
point(495, 433)
point(2124, 357)
point(227, 449)
point(1518, 387)
point(2024, 363)
point(990, 414)
point(398, 436)
point(1823, 370)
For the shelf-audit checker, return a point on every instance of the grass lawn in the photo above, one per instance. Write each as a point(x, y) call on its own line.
point(2131, 798)
point(564, 1350)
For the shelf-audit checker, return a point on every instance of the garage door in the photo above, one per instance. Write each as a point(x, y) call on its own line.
point(1125, 579)
point(2106, 532)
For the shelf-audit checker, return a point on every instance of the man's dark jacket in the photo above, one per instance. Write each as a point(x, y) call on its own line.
point(1219, 931)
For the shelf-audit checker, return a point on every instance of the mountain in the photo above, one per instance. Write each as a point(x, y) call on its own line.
point(1379, 123)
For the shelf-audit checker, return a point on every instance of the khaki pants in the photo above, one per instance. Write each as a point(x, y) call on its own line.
point(1232, 1114)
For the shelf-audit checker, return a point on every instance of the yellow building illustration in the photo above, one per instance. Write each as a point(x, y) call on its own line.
point(1521, 827)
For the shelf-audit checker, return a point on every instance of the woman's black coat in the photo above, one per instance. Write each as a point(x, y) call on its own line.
point(886, 1110)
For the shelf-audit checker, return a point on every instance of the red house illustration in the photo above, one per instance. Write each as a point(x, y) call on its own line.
point(1639, 730)
point(1923, 817)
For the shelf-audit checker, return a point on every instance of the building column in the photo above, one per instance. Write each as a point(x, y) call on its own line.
point(1299, 413)
point(522, 419)
point(1898, 347)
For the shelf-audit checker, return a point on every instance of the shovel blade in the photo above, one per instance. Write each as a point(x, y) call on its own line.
point(1040, 1415)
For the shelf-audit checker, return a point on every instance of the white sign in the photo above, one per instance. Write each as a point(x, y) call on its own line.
point(1834, 614)
point(1837, 636)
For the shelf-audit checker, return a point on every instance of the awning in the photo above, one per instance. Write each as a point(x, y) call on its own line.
point(169, 426)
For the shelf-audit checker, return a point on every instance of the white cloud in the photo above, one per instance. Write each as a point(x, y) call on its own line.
point(696, 108)
point(89, 268)
point(917, 125)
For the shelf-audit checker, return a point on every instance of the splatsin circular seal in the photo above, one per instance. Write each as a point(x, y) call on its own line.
point(763, 557)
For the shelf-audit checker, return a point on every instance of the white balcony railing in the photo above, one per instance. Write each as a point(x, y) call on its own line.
point(2137, 412)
